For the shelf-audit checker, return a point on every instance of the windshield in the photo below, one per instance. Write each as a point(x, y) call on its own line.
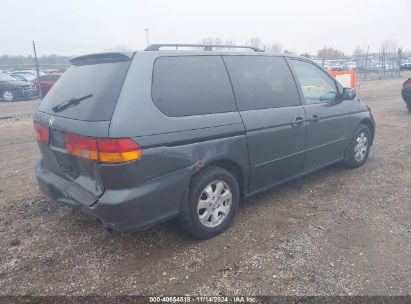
point(26, 76)
point(100, 83)
point(5, 77)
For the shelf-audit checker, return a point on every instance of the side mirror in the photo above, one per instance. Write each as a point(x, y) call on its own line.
point(348, 94)
point(329, 96)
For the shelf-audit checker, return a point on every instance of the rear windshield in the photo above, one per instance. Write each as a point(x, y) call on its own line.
point(86, 92)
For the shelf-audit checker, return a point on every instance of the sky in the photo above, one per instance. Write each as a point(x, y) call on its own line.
point(74, 27)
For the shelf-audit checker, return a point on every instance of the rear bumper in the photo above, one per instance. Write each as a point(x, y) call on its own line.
point(137, 208)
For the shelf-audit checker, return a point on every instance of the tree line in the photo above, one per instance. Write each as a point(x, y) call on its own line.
point(388, 46)
point(29, 60)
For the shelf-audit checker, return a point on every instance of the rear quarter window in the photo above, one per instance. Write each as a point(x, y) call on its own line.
point(191, 85)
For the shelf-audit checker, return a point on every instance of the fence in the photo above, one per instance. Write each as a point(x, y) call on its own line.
point(43, 67)
point(367, 66)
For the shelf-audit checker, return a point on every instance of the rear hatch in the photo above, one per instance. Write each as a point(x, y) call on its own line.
point(78, 110)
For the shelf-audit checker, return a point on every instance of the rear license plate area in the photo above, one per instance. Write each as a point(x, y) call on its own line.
point(58, 146)
point(58, 139)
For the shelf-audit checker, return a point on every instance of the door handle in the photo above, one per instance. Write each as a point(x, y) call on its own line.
point(297, 121)
point(315, 118)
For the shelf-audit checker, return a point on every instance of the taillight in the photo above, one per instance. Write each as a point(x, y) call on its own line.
point(103, 150)
point(407, 84)
point(82, 146)
point(118, 150)
point(42, 132)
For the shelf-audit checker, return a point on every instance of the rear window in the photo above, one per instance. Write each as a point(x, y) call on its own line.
point(262, 82)
point(97, 86)
point(191, 85)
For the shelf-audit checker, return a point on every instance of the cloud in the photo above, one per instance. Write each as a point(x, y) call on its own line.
point(75, 27)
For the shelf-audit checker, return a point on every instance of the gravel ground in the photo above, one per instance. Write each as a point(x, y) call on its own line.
point(18, 108)
point(336, 231)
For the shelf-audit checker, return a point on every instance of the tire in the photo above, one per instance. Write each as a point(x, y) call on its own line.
point(358, 153)
point(210, 189)
point(8, 96)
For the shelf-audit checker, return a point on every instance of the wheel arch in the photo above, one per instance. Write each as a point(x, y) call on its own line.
point(232, 167)
point(370, 125)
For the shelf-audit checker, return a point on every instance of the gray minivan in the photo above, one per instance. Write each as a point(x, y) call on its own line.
point(137, 138)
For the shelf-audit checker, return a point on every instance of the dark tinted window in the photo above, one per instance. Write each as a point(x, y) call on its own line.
point(262, 82)
point(103, 81)
point(191, 85)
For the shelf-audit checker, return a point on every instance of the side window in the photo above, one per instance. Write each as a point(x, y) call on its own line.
point(191, 85)
point(262, 82)
point(46, 78)
point(317, 86)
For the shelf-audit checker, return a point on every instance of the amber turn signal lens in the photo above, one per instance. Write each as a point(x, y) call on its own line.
point(118, 150)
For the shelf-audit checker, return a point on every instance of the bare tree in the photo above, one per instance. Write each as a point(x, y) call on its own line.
point(253, 41)
point(274, 47)
point(329, 53)
point(118, 48)
point(217, 40)
point(306, 55)
point(358, 52)
point(209, 40)
point(229, 42)
point(389, 45)
point(291, 51)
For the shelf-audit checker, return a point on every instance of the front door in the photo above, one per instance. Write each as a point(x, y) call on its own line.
point(327, 121)
point(273, 116)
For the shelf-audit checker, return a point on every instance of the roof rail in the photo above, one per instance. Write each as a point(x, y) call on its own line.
point(207, 47)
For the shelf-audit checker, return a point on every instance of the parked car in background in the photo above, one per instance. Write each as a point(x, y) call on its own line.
point(57, 71)
point(208, 129)
point(12, 89)
point(45, 82)
point(406, 66)
point(406, 93)
point(23, 76)
point(34, 72)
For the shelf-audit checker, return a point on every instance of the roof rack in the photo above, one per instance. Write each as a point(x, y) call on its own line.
point(207, 47)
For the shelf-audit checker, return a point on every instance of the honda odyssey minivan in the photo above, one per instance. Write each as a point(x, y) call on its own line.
point(137, 138)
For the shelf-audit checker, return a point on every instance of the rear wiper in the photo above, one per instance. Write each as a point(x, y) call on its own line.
point(70, 103)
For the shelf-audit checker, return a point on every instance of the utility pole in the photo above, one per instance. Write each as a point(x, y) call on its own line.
point(366, 63)
point(37, 67)
point(147, 40)
point(325, 47)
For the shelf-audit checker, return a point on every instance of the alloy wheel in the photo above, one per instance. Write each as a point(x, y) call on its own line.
point(214, 204)
point(361, 147)
point(8, 96)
